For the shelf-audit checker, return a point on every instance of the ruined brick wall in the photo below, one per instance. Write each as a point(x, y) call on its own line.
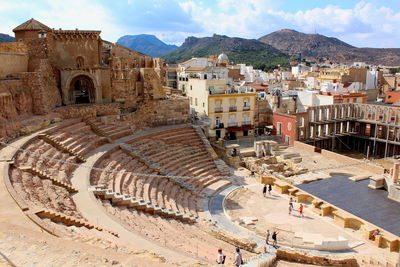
point(159, 112)
point(15, 102)
point(43, 87)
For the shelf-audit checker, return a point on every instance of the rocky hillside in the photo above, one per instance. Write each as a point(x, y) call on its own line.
point(146, 44)
point(239, 50)
point(316, 46)
point(5, 38)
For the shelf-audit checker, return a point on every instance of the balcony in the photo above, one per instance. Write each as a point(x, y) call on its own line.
point(232, 124)
point(246, 108)
point(246, 123)
point(232, 109)
point(218, 109)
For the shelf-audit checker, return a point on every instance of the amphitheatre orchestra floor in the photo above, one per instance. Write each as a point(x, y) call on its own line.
point(356, 198)
point(272, 214)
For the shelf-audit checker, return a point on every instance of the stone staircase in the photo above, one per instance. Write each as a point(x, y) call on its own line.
point(43, 175)
point(96, 129)
point(159, 169)
point(118, 199)
point(57, 144)
point(58, 217)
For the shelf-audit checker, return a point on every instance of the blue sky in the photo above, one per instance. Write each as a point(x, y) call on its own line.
point(363, 23)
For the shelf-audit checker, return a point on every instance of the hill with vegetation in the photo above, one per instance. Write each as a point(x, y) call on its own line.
point(238, 50)
point(319, 47)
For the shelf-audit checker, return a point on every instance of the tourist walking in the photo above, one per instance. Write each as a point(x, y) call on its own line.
point(238, 258)
point(290, 206)
point(267, 237)
point(301, 210)
point(221, 257)
point(269, 188)
point(265, 190)
point(274, 239)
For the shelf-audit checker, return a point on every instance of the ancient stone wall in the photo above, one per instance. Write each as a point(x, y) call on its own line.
point(65, 47)
point(14, 58)
point(15, 101)
point(44, 92)
point(325, 260)
point(159, 112)
point(89, 111)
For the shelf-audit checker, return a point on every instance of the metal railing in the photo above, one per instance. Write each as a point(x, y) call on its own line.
point(218, 109)
point(232, 124)
point(246, 108)
point(232, 108)
point(246, 123)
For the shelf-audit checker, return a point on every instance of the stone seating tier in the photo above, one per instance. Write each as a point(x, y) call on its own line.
point(185, 237)
point(47, 159)
point(42, 193)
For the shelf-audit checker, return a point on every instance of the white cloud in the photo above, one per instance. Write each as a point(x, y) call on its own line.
point(66, 14)
point(367, 24)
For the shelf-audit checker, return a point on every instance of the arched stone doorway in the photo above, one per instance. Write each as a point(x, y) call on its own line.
point(82, 90)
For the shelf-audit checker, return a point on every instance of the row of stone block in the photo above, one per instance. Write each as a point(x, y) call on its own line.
point(43, 175)
point(118, 199)
point(57, 144)
point(160, 170)
point(58, 217)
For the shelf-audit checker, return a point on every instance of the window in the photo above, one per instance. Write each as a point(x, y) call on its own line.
point(245, 133)
point(80, 62)
point(246, 103)
point(289, 126)
point(195, 101)
point(279, 128)
point(191, 88)
point(191, 101)
point(42, 35)
point(204, 104)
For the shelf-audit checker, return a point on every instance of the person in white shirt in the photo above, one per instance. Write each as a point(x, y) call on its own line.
point(238, 258)
point(220, 257)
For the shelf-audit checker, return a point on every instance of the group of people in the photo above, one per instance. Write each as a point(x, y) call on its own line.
point(274, 237)
point(238, 261)
point(291, 207)
point(269, 188)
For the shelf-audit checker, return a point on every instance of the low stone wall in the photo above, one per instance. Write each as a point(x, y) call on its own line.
point(341, 158)
point(88, 111)
point(305, 258)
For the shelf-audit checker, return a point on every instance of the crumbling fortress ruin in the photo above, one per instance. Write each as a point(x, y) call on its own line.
point(77, 74)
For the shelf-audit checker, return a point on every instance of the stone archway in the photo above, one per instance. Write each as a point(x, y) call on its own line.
point(82, 90)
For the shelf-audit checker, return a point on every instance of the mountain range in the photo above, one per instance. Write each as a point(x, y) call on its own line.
point(238, 50)
point(265, 53)
point(319, 47)
point(146, 44)
point(5, 38)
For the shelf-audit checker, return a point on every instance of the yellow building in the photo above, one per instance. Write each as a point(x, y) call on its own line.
point(230, 109)
point(342, 75)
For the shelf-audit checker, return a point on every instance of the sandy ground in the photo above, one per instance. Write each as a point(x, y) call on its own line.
point(321, 167)
point(272, 214)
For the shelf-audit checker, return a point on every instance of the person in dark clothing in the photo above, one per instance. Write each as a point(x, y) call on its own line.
point(269, 188)
point(265, 190)
point(274, 239)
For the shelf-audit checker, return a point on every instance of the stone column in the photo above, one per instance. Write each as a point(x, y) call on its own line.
point(395, 173)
